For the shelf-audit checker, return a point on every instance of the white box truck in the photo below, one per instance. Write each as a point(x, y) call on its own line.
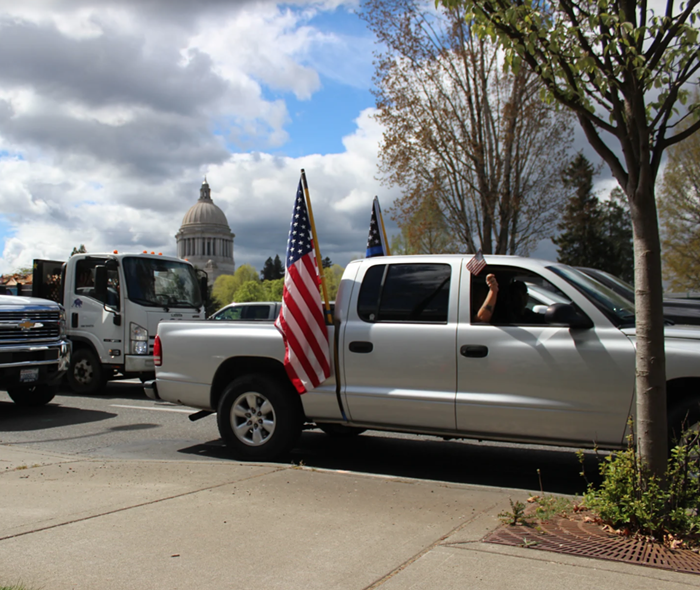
point(114, 303)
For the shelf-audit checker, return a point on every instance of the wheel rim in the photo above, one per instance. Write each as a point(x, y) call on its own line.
point(253, 419)
point(82, 372)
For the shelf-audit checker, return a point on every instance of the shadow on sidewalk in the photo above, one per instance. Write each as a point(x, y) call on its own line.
point(471, 462)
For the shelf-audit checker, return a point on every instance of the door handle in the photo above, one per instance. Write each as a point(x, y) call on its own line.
point(476, 351)
point(362, 347)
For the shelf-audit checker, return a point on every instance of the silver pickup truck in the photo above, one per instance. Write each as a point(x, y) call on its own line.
point(408, 356)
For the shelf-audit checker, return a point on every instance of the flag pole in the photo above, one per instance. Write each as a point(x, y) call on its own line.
point(381, 220)
point(319, 262)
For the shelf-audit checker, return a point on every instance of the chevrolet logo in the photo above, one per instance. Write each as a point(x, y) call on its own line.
point(26, 324)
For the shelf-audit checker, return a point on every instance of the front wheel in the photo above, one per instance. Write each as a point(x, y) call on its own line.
point(259, 418)
point(86, 374)
point(34, 396)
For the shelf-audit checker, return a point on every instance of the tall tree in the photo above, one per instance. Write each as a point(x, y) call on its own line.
point(272, 270)
point(679, 213)
point(594, 233)
point(80, 250)
point(425, 230)
point(579, 242)
point(617, 236)
point(462, 132)
point(622, 69)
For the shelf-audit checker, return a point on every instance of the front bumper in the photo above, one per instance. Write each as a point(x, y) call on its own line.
point(134, 363)
point(33, 364)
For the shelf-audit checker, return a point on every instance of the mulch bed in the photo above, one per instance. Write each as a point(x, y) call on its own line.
point(586, 538)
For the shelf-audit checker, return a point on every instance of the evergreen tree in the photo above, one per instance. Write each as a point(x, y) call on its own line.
point(594, 234)
point(272, 270)
point(327, 262)
point(578, 244)
point(80, 250)
point(617, 236)
point(279, 268)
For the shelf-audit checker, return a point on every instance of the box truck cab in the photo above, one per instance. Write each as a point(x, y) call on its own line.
point(114, 303)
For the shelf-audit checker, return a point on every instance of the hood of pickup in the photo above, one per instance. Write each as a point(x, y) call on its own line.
point(16, 302)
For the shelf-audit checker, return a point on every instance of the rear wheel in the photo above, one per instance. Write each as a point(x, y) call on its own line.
point(259, 418)
point(34, 396)
point(86, 374)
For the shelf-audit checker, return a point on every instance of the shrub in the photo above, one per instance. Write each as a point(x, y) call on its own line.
point(632, 499)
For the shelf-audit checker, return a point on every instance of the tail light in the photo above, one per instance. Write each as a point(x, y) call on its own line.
point(157, 359)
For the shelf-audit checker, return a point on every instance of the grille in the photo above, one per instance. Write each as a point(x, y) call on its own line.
point(11, 330)
point(584, 539)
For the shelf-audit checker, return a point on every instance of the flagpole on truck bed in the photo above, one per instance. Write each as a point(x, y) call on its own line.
point(319, 262)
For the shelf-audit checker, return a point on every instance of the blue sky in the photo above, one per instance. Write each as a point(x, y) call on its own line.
point(112, 113)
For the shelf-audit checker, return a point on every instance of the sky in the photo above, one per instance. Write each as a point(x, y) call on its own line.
point(113, 112)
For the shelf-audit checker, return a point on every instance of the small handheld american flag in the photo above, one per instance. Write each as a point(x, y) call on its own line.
point(477, 263)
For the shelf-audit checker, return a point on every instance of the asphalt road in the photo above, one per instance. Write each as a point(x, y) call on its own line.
point(123, 423)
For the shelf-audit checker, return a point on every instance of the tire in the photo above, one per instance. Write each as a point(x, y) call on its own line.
point(86, 374)
point(270, 431)
point(340, 430)
point(33, 396)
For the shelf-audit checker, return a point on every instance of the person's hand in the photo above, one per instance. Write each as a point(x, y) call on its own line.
point(492, 282)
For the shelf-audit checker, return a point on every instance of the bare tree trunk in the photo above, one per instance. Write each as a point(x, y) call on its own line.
point(651, 428)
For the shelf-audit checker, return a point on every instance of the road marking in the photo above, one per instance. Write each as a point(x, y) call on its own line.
point(154, 409)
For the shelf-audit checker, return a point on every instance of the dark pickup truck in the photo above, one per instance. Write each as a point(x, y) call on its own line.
point(34, 352)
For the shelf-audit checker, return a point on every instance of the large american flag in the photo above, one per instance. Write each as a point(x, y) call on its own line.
point(301, 322)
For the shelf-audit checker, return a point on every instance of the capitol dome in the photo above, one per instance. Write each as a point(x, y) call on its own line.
point(204, 211)
point(205, 238)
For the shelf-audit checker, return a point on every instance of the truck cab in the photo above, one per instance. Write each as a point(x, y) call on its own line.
point(114, 303)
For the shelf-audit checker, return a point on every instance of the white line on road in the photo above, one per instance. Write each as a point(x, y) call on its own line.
point(154, 409)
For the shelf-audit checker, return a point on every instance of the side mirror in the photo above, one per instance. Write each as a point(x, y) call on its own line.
point(567, 314)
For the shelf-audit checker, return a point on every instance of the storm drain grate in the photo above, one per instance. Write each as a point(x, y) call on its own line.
point(575, 537)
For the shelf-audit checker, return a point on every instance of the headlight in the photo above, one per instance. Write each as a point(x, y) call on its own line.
point(62, 319)
point(138, 339)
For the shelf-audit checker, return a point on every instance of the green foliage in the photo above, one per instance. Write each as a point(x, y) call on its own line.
point(225, 286)
point(249, 291)
point(332, 275)
point(679, 214)
point(259, 291)
point(632, 498)
point(550, 506)
point(80, 250)
point(594, 234)
point(516, 516)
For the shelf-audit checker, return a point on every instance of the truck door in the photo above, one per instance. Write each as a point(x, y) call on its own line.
point(398, 346)
point(89, 317)
point(521, 379)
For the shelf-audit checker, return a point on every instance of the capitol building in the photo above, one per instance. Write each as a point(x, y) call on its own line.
point(205, 238)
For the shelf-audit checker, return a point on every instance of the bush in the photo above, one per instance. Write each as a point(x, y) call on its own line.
point(631, 499)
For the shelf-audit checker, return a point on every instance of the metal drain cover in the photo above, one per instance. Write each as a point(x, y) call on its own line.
point(575, 537)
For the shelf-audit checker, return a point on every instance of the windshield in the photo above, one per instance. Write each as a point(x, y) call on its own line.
point(619, 309)
point(161, 283)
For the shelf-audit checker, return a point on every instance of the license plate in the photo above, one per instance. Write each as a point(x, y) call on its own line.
point(28, 375)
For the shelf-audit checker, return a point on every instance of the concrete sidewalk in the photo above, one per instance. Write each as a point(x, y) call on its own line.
point(69, 522)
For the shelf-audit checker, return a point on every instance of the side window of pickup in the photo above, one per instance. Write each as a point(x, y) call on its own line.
point(523, 296)
point(416, 293)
